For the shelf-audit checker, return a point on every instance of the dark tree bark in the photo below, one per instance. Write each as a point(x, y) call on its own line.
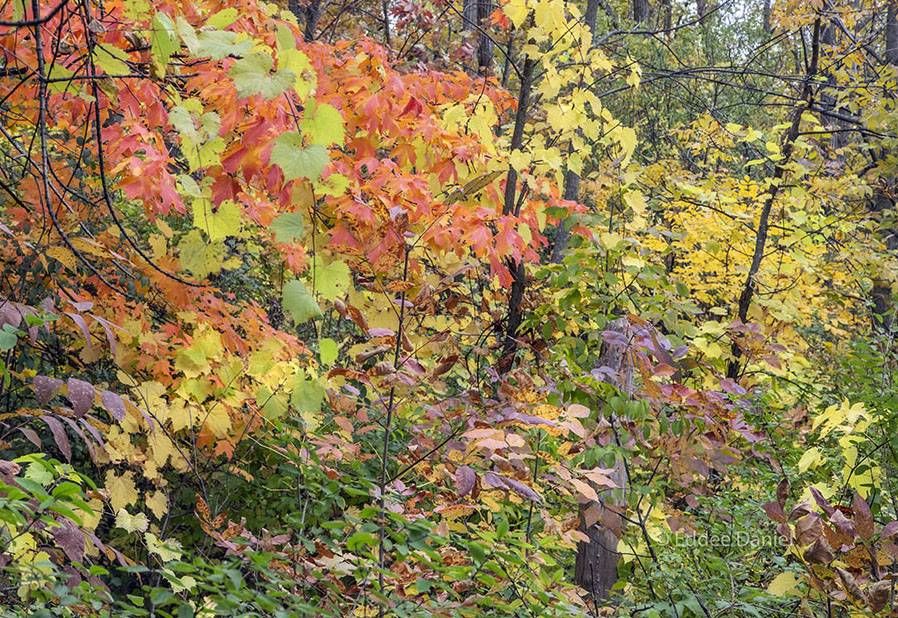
point(883, 202)
point(641, 11)
point(307, 12)
point(596, 567)
point(475, 16)
point(766, 13)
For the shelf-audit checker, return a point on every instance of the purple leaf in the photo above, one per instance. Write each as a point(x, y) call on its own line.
point(775, 511)
point(114, 405)
point(889, 530)
point(45, 388)
point(380, 332)
point(59, 436)
point(822, 502)
point(614, 338)
point(520, 489)
point(10, 313)
point(77, 319)
point(863, 518)
point(81, 394)
point(465, 478)
point(71, 540)
point(31, 435)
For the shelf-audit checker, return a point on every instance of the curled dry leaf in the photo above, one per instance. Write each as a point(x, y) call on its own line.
point(465, 479)
point(878, 595)
point(850, 585)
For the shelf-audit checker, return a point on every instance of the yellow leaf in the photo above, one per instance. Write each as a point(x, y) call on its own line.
point(166, 550)
point(63, 255)
point(158, 504)
point(810, 459)
point(122, 489)
point(131, 523)
point(784, 583)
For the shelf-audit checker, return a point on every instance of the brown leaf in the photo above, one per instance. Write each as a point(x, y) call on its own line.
point(822, 502)
point(879, 595)
point(850, 584)
point(70, 538)
point(782, 492)
point(863, 518)
point(774, 510)
point(819, 553)
point(800, 510)
point(585, 490)
point(465, 478)
point(808, 529)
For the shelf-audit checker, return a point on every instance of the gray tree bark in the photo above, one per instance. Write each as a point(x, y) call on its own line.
point(596, 567)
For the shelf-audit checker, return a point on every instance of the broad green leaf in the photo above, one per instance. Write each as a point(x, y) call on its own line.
point(222, 19)
point(163, 38)
point(217, 225)
point(167, 550)
point(199, 257)
point(296, 161)
point(332, 281)
point(252, 75)
point(327, 351)
point(299, 303)
point(188, 35)
point(59, 72)
point(273, 405)
point(112, 59)
point(131, 523)
point(334, 185)
point(324, 126)
point(218, 44)
point(287, 227)
point(291, 58)
point(307, 396)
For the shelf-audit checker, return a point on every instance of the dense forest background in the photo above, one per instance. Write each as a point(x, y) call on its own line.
point(448, 308)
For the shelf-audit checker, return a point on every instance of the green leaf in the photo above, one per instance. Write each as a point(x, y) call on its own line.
point(8, 338)
point(163, 39)
point(327, 351)
point(188, 35)
point(296, 161)
point(217, 225)
point(324, 126)
point(112, 59)
point(299, 303)
point(222, 19)
point(273, 405)
point(287, 227)
point(332, 281)
point(218, 44)
point(307, 397)
point(200, 258)
point(252, 76)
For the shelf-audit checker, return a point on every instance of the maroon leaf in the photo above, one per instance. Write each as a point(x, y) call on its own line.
point(889, 530)
point(31, 435)
point(800, 510)
point(820, 552)
point(59, 436)
point(808, 529)
point(380, 332)
point(520, 489)
point(879, 595)
point(77, 319)
point(822, 502)
point(45, 388)
point(863, 518)
point(9, 470)
point(785, 531)
point(775, 511)
point(465, 478)
point(782, 492)
point(850, 585)
point(81, 394)
point(74, 425)
point(71, 540)
point(114, 405)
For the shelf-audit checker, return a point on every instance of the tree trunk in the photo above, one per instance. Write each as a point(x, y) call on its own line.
point(641, 11)
point(883, 201)
point(768, 26)
point(475, 14)
point(596, 567)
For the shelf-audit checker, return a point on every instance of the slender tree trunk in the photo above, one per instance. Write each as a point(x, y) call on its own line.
point(510, 206)
point(788, 143)
point(883, 202)
point(596, 567)
point(475, 16)
point(766, 12)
